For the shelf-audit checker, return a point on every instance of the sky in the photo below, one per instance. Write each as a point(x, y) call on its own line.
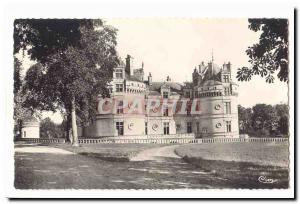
point(174, 46)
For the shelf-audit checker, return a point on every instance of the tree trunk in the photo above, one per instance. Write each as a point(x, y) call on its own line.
point(74, 125)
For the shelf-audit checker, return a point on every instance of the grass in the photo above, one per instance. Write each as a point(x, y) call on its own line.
point(109, 152)
point(271, 153)
point(79, 171)
point(241, 164)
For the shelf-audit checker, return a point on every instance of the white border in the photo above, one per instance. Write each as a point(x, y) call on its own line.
point(130, 9)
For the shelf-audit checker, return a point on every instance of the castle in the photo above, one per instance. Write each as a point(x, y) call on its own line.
point(211, 86)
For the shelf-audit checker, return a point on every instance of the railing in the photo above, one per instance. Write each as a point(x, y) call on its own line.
point(42, 140)
point(157, 140)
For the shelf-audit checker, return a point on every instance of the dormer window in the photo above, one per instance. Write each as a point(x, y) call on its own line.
point(119, 73)
point(226, 78)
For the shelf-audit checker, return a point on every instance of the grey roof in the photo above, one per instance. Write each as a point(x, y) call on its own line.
point(154, 93)
point(155, 86)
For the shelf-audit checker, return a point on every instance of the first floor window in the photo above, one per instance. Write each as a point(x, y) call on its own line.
point(228, 126)
point(198, 127)
point(120, 108)
point(227, 91)
point(119, 87)
point(166, 128)
point(146, 128)
point(189, 127)
point(227, 108)
point(165, 111)
point(120, 128)
point(165, 94)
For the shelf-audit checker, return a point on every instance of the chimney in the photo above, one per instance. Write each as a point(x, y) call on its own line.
point(229, 67)
point(149, 78)
point(127, 66)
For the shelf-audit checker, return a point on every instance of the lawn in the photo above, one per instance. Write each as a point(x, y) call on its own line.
point(241, 164)
point(271, 153)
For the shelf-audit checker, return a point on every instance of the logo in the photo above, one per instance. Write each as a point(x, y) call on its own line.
point(264, 179)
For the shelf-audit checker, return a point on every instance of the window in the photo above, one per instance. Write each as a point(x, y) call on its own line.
point(120, 108)
point(227, 91)
point(24, 133)
point(165, 111)
point(198, 127)
point(119, 73)
point(188, 95)
point(119, 87)
point(227, 108)
point(228, 126)
point(166, 128)
point(120, 128)
point(146, 128)
point(165, 94)
point(226, 78)
point(189, 127)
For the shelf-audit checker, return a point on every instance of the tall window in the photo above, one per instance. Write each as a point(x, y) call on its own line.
point(188, 95)
point(119, 73)
point(119, 87)
point(146, 128)
point(189, 127)
point(120, 128)
point(227, 91)
point(166, 128)
point(227, 108)
point(120, 108)
point(228, 126)
point(198, 127)
point(226, 78)
point(165, 94)
point(165, 111)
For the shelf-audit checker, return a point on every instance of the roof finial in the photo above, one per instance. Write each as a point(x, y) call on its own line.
point(212, 55)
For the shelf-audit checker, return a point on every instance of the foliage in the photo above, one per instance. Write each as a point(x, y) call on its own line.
point(48, 129)
point(264, 120)
point(20, 111)
point(270, 54)
point(75, 62)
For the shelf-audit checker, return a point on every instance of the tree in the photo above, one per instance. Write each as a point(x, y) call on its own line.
point(270, 54)
point(264, 118)
point(20, 112)
point(245, 119)
point(282, 111)
point(75, 65)
point(49, 129)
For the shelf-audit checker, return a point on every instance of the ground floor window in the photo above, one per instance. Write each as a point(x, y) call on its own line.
point(189, 127)
point(166, 128)
point(228, 126)
point(120, 128)
point(24, 134)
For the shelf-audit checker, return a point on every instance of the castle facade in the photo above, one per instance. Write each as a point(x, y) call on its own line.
point(214, 114)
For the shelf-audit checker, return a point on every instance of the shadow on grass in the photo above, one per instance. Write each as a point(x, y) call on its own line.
point(244, 174)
